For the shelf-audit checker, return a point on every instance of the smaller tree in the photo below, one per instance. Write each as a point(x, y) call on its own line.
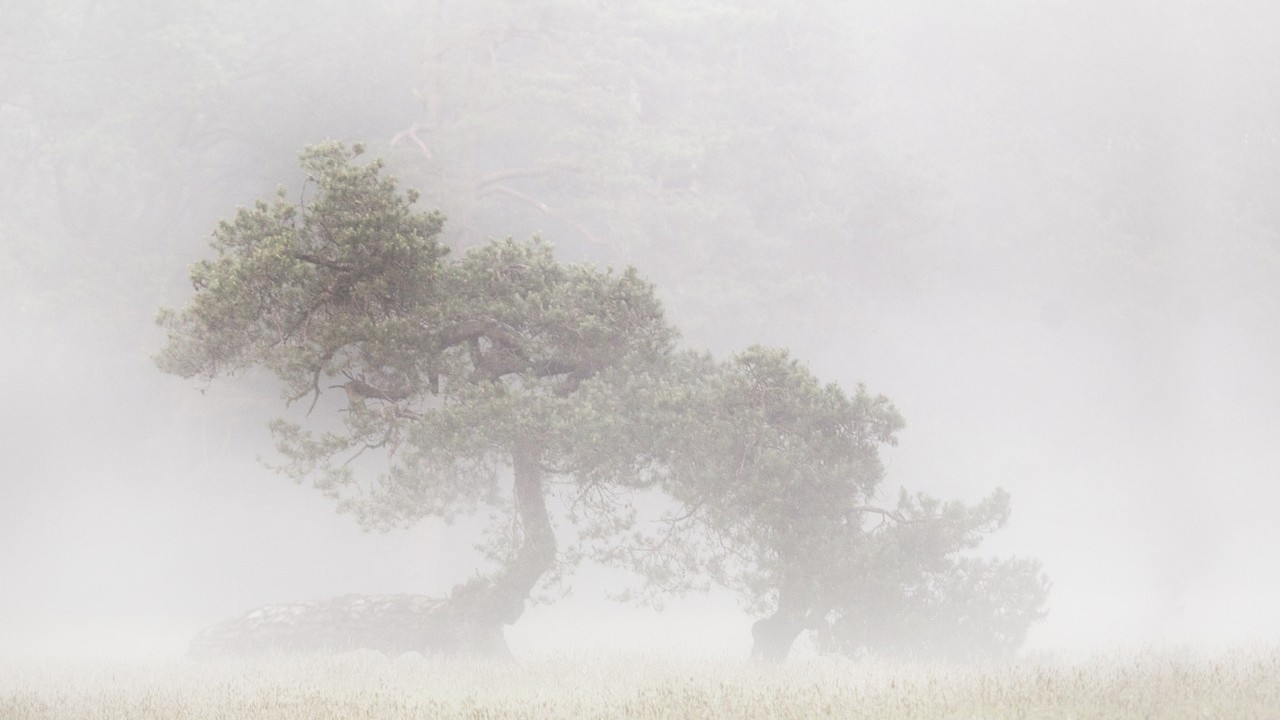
point(777, 476)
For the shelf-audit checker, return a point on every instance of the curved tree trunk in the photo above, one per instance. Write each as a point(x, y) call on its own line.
point(487, 604)
point(469, 622)
point(772, 637)
point(501, 600)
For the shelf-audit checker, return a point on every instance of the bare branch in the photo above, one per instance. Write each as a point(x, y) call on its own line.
point(511, 174)
point(517, 194)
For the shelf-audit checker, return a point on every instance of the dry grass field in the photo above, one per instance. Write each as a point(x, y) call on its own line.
point(1244, 684)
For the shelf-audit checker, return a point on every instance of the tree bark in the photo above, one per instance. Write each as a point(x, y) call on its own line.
point(537, 553)
point(485, 605)
point(773, 636)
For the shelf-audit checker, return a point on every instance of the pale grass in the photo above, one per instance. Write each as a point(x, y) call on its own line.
point(1242, 684)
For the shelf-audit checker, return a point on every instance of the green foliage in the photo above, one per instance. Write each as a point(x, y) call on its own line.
point(777, 476)
point(768, 465)
point(963, 608)
point(911, 589)
point(454, 370)
point(346, 283)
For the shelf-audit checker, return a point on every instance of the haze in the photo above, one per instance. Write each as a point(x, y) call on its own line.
point(1062, 263)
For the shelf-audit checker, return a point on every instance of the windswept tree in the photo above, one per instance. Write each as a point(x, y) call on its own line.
point(467, 382)
point(777, 476)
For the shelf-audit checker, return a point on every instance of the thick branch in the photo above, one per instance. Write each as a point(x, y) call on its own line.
point(358, 389)
point(323, 262)
point(468, 330)
point(508, 353)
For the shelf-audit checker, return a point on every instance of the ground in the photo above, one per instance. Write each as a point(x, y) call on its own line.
point(1240, 684)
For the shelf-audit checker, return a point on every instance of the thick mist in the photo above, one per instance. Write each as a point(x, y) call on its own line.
point(1062, 265)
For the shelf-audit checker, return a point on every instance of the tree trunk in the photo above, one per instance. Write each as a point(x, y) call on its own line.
point(500, 600)
point(469, 622)
point(773, 636)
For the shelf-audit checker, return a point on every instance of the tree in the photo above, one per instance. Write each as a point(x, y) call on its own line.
point(777, 476)
point(454, 372)
point(736, 127)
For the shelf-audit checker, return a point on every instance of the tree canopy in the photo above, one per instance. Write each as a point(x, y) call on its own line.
point(455, 371)
point(458, 371)
point(777, 478)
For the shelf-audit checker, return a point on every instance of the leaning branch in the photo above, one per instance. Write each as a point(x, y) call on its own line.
point(323, 262)
point(359, 389)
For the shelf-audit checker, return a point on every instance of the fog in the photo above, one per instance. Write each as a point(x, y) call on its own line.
point(1062, 264)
